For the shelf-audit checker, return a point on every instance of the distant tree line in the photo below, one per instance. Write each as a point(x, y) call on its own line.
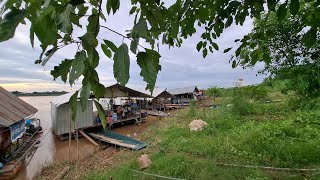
point(47, 93)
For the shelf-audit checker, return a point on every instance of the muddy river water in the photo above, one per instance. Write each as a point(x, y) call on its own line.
point(51, 149)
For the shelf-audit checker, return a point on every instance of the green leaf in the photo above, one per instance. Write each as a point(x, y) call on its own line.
point(64, 20)
point(106, 51)
point(82, 9)
point(84, 95)
point(114, 5)
point(77, 67)
point(229, 21)
point(215, 45)
point(10, 22)
point(98, 89)
point(149, 64)
point(94, 58)
point(76, 2)
point(271, 4)
point(227, 50)
point(199, 45)
point(45, 29)
point(49, 55)
point(110, 45)
point(134, 45)
point(234, 64)
point(102, 116)
point(132, 10)
point(294, 7)
point(140, 30)
point(62, 70)
point(310, 38)
point(73, 105)
point(92, 23)
point(282, 11)
point(204, 52)
point(121, 64)
point(32, 36)
point(89, 41)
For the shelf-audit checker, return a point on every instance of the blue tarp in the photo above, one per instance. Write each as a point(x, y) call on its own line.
point(16, 130)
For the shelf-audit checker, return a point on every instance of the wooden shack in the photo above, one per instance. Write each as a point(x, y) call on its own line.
point(61, 115)
point(61, 111)
point(13, 113)
point(160, 100)
point(184, 95)
point(132, 101)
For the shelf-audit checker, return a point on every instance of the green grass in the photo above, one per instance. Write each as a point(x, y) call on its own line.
point(267, 135)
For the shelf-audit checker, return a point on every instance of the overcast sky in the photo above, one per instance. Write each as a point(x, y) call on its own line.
point(181, 67)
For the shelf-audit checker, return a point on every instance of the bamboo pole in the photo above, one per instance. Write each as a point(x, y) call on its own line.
point(88, 138)
point(70, 137)
point(62, 173)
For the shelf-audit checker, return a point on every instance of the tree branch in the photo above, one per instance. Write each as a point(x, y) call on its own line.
point(96, 33)
point(126, 37)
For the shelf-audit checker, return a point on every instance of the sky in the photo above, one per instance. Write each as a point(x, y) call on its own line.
point(181, 67)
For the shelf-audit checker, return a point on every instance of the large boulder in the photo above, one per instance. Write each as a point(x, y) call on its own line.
point(197, 125)
point(144, 161)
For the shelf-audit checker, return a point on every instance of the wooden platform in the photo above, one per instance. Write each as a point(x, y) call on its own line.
point(176, 106)
point(155, 113)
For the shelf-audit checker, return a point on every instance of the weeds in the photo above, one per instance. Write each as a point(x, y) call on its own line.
point(286, 137)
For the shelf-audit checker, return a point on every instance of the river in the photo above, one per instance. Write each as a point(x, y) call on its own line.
point(51, 149)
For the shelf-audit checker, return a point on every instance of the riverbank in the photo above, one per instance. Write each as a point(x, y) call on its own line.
point(245, 139)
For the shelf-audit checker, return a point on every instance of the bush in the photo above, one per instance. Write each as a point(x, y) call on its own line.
point(241, 105)
point(192, 111)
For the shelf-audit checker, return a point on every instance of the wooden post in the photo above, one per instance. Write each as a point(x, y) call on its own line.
point(88, 138)
point(70, 137)
point(62, 173)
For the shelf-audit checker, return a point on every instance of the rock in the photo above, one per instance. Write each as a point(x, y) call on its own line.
point(144, 161)
point(197, 125)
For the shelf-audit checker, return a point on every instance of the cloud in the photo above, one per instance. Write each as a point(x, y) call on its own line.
point(180, 66)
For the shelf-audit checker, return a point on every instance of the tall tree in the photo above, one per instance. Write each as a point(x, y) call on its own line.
point(283, 48)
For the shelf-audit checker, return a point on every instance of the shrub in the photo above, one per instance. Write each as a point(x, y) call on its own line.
point(241, 105)
point(192, 111)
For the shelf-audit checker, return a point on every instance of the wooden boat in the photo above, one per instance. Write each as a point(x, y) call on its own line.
point(22, 153)
point(111, 137)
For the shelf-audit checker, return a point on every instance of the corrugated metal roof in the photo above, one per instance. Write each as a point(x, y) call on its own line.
point(164, 94)
point(183, 90)
point(62, 99)
point(13, 109)
point(117, 90)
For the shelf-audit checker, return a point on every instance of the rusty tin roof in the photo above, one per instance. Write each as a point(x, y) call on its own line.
point(13, 109)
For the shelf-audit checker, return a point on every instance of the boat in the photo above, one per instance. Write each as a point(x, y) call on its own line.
point(114, 138)
point(17, 133)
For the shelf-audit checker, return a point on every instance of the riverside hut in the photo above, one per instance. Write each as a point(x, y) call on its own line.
point(115, 113)
point(13, 113)
point(184, 95)
point(129, 108)
point(61, 115)
point(160, 100)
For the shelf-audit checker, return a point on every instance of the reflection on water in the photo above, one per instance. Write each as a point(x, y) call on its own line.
point(51, 149)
